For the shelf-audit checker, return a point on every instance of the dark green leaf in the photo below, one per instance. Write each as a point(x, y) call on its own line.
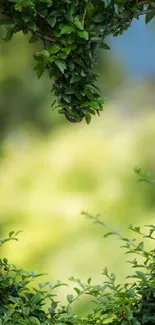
point(8, 34)
point(51, 20)
point(61, 65)
point(88, 118)
point(39, 68)
point(105, 46)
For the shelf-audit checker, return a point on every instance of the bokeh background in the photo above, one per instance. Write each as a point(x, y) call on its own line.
point(51, 170)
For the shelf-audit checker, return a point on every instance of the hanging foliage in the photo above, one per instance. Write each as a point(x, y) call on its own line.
point(71, 31)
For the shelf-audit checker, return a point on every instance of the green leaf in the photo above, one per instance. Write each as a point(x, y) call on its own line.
point(70, 39)
point(108, 234)
point(51, 20)
point(5, 260)
point(26, 17)
point(149, 17)
point(68, 309)
point(92, 104)
point(78, 23)
point(136, 322)
point(105, 271)
point(34, 321)
point(18, 7)
point(99, 18)
point(88, 118)
point(113, 276)
point(141, 275)
point(32, 26)
point(5, 21)
point(140, 246)
point(43, 53)
point(54, 49)
point(61, 65)
point(11, 233)
point(75, 78)
point(105, 46)
point(78, 291)
point(67, 29)
point(70, 298)
point(39, 68)
point(84, 34)
point(33, 39)
point(145, 318)
point(66, 49)
point(26, 311)
point(8, 34)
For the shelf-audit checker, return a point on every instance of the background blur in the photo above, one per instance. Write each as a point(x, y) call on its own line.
point(50, 170)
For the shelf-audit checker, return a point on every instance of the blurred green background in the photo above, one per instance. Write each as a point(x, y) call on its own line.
point(50, 170)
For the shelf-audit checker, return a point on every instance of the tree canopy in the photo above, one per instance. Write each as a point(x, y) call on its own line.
point(71, 31)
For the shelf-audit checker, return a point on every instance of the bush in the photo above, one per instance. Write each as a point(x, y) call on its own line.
point(131, 303)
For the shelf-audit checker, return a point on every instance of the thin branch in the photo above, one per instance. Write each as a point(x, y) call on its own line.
point(143, 2)
point(145, 12)
point(3, 16)
point(84, 15)
point(44, 37)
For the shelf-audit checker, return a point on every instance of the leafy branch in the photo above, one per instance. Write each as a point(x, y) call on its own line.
point(143, 176)
point(71, 33)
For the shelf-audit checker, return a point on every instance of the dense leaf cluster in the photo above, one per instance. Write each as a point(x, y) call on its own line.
point(71, 31)
point(128, 304)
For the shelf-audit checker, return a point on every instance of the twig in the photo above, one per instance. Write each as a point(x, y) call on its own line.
point(45, 37)
point(145, 12)
point(144, 2)
point(84, 14)
point(3, 16)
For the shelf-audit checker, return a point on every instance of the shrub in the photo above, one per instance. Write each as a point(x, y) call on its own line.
point(126, 304)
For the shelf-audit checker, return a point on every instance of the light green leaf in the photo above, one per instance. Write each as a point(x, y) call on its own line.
point(78, 291)
point(34, 321)
point(78, 23)
point(54, 49)
point(26, 311)
point(129, 313)
point(70, 298)
point(83, 34)
point(67, 29)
